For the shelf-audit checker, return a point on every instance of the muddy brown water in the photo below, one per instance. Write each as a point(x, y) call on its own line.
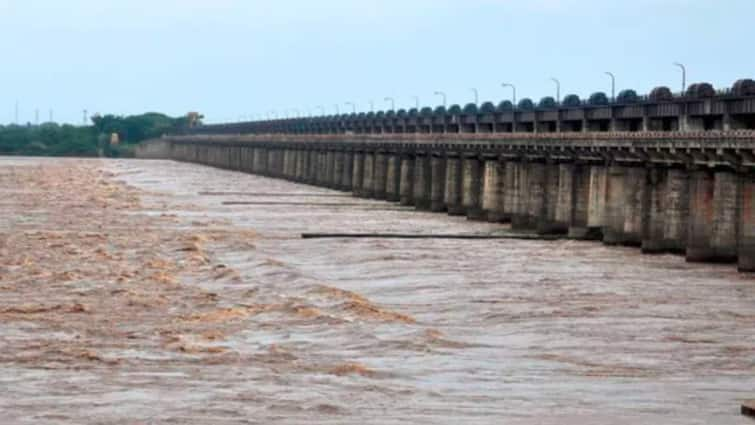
point(267, 327)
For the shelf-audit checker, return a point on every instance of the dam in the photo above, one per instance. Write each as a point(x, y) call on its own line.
point(682, 192)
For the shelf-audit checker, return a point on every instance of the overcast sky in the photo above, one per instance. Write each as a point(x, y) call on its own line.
point(238, 58)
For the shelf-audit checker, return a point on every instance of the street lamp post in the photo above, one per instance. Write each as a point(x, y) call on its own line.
point(416, 102)
point(445, 98)
point(684, 75)
point(353, 106)
point(513, 90)
point(393, 102)
point(372, 106)
point(613, 85)
point(558, 89)
point(476, 95)
point(338, 110)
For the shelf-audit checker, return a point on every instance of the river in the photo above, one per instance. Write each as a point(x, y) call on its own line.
point(383, 331)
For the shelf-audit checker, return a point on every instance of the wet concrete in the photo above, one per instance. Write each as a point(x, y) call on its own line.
point(184, 310)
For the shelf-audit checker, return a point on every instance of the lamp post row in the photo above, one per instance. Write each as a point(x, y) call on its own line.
point(476, 93)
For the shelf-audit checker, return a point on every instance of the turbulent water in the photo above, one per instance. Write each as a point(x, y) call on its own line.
point(384, 331)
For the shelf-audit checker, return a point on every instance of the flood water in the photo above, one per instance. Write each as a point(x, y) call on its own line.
point(389, 331)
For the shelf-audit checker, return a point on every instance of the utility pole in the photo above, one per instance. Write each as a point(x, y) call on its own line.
point(613, 85)
point(85, 117)
point(684, 76)
point(476, 96)
point(558, 89)
point(36, 117)
point(16, 112)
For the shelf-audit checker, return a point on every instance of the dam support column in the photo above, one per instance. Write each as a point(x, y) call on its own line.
point(452, 197)
point(613, 231)
point(368, 179)
point(348, 167)
point(509, 190)
point(596, 209)
point(327, 168)
point(654, 217)
point(746, 250)
point(380, 176)
point(393, 178)
point(437, 183)
point(287, 160)
point(357, 174)
point(260, 161)
point(547, 223)
point(338, 164)
point(565, 202)
point(537, 180)
point(636, 205)
point(519, 195)
point(580, 181)
point(330, 179)
point(406, 185)
point(472, 188)
point(276, 168)
point(493, 190)
point(712, 233)
point(301, 166)
point(422, 176)
point(314, 166)
point(322, 168)
point(676, 210)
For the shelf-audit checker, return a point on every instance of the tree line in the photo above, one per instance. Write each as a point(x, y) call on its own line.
point(52, 139)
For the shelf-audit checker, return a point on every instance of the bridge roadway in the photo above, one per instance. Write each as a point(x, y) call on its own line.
point(691, 193)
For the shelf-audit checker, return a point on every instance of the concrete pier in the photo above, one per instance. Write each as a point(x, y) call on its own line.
point(580, 202)
point(348, 168)
point(330, 170)
point(535, 191)
point(746, 249)
point(596, 209)
point(438, 183)
point(422, 182)
point(393, 178)
point(653, 220)
point(472, 188)
point(406, 190)
point(613, 229)
point(368, 178)
point(453, 197)
point(547, 222)
point(676, 207)
point(381, 174)
point(357, 176)
point(712, 213)
point(493, 191)
point(517, 193)
point(635, 205)
point(565, 201)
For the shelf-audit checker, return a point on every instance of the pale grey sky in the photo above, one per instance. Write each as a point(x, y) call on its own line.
point(239, 58)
